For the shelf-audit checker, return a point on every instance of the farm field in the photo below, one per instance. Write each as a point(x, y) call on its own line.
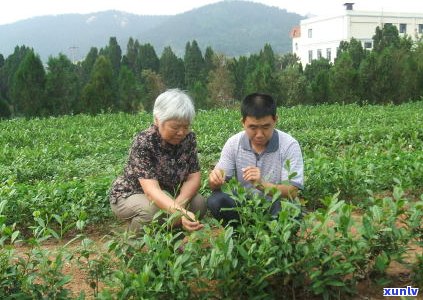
point(361, 211)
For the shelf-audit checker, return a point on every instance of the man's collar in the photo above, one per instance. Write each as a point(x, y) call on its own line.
point(272, 146)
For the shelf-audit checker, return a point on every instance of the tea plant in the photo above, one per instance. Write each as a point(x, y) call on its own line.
point(156, 265)
point(34, 274)
point(415, 226)
point(55, 174)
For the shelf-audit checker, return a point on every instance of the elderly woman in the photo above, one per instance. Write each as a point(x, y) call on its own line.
point(163, 161)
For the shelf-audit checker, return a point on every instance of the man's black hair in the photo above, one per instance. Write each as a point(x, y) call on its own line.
point(258, 105)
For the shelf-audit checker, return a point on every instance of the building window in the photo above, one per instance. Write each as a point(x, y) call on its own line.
point(403, 28)
point(310, 33)
point(296, 46)
point(319, 53)
point(367, 45)
point(310, 56)
point(328, 54)
point(420, 28)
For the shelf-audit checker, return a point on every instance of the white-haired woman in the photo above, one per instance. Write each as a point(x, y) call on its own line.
point(163, 160)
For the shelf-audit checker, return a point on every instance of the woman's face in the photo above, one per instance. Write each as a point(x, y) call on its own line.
point(173, 131)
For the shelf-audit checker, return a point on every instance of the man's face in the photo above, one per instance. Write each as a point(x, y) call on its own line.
point(259, 131)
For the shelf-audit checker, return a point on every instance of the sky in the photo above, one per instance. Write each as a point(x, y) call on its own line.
point(16, 10)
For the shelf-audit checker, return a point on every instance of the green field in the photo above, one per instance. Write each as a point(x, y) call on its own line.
point(68, 163)
point(55, 174)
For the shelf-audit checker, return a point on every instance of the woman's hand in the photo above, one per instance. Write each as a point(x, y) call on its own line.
point(189, 222)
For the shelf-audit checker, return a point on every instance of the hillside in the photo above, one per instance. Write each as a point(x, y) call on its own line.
point(233, 28)
point(230, 27)
point(50, 35)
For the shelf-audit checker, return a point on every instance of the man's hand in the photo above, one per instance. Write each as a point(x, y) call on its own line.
point(216, 178)
point(252, 174)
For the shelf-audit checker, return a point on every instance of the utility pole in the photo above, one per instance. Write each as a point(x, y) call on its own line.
point(73, 51)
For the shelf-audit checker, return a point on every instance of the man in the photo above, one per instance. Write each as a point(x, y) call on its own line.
point(259, 157)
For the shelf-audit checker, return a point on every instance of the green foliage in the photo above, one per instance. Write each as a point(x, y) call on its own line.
point(147, 59)
point(34, 273)
point(9, 68)
point(342, 80)
point(317, 74)
point(194, 64)
point(262, 79)
point(386, 37)
point(152, 87)
point(238, 69)
point(57, 173)
point(62, 87)
point(98, 95)
point(293, 87)
point(323, 253)
point(393, 74)
point(129, 91)
point(87, 65)
point(129, 59)
point(417, 275)
point(209, 61)
point(67, 164)
point(267, 56)
point(114, 54)
point(5, 112)
point(28, 85)
point(220, 84)
point(199, 95)
point(172, 69)
point(354, 49)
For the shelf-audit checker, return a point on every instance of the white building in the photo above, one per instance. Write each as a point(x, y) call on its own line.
point(320, 36)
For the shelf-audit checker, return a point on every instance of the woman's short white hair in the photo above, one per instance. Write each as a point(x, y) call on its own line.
point(174, 104)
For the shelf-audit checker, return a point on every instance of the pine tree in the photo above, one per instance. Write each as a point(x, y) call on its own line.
point(129, 91)
point(171, 69)
point(238, 70)
point(317, 74)
point(293, 86)
point(114, 53)
point(147, 58)
point(209, 61)
point(194, 64)
point(130, 57)
point(87, 65)
point(386, 37)
point(62, 86)
point(28, 86)
point(267, 56)
point(343, 79)
point(98, 95)
point(11, 65)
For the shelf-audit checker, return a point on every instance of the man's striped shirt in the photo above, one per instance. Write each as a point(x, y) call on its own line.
point(281, 158)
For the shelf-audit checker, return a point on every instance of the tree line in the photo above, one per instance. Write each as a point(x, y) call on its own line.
point(107, 80)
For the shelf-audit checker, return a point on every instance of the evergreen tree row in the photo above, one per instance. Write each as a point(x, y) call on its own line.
point(107, 80)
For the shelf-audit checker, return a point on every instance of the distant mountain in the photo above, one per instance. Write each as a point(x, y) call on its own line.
point(74, 34)
point(231, 27)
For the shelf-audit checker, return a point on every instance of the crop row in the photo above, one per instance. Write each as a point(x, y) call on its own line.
point(67, 164)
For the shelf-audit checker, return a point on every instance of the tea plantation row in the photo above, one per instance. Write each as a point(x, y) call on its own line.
point(65, 165)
